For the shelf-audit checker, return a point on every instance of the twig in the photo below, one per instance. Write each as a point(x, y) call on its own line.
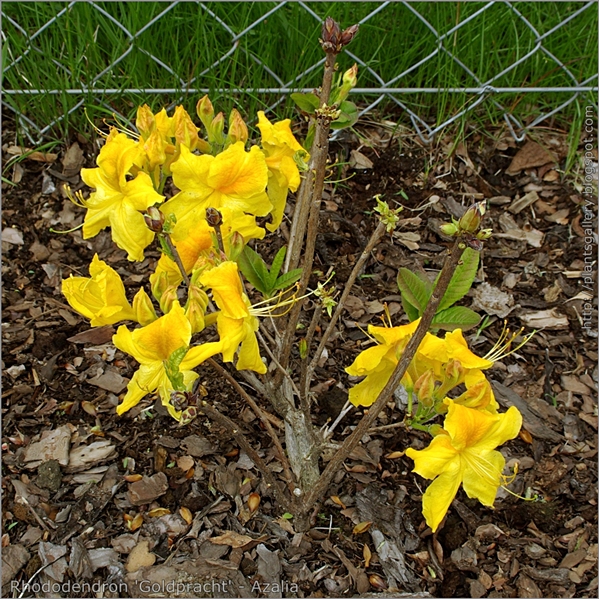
point(279, 367)
point(304, 381)
point(240, 438)
point(385, 395)
point(346, 408)
point(175, 253)
point(317, 162)
point(263, 418)
point(357, 269)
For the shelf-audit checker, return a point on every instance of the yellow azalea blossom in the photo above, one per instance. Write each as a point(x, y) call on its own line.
point(152, 346)
point(464, 454)
point(378, 362)
point(102, 298)
point(279, 146)
point(234, 179)
point(236, 324)
point(199, 240)
point(117, 202)
point(434, 354)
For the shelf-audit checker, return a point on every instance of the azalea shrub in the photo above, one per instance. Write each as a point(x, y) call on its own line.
point(203, 195)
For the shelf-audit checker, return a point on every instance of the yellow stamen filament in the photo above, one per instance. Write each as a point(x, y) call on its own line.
point(502, 347)
point(492, 476)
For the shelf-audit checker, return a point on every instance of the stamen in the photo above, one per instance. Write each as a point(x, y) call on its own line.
point(501, 349)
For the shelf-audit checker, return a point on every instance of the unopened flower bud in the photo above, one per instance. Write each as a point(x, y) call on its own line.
point(454, 371)
point(236, 245)
point(143, 308)
point(331, 32)
point(350, 77)
point(449, 229)
point(470, 222)
point(168, 298)
point(144, 121)
point(484, 234)
point(425, 388)
point(155, 148)
point(195, 308)
point(154, 219)
point(215, 131)
point(213, 217)
point(185, 131)
point(205, 111)
point(160, 284)
point(348, 35)
point(348, 82)
point(238, 130)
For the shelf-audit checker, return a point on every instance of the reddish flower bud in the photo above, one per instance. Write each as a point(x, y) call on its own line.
point(331, 33)
point(154, 219)
point(213, 217)
point(348, 35)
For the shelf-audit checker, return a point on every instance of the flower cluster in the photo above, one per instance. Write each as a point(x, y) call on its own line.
point(219, 174)
point(462, 452)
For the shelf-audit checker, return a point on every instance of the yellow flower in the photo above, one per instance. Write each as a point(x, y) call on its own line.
point(279, 146)
point(234, 179)
point(378, 362)
point(237, 325)
point(464, 454)
point(153, 347)
point(198, 243)
point(102, 298)
point(116, 201)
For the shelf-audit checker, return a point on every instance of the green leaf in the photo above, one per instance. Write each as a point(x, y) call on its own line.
point(462, 279)
point(456, 317)
point(409, 309)
point(348, 116)
point(275, 268)
point(254, 269)
point(288, 279)
point(307, 102)
point(175, 376)
point(414, 288)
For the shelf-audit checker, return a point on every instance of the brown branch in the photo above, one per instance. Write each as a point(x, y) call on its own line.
point(368, 419)
point(178, 262)
point(304, 381)
point(263, 418)
point(374, 239)
point(318, 157)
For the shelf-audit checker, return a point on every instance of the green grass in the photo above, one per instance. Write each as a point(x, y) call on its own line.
point(189, 40)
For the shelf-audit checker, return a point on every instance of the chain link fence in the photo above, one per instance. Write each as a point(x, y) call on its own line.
point(570, 83)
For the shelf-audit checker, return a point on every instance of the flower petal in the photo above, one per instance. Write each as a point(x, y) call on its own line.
point(226, 288)
point(435, 459)
point(439, 495)
point(482, 475)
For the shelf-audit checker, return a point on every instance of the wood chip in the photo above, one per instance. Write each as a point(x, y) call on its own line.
point(147, 489)
point(530, 155)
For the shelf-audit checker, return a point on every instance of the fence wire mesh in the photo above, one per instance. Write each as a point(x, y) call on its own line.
point(23, 44)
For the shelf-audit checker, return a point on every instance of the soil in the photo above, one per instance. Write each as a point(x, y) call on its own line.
point(75, 512)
